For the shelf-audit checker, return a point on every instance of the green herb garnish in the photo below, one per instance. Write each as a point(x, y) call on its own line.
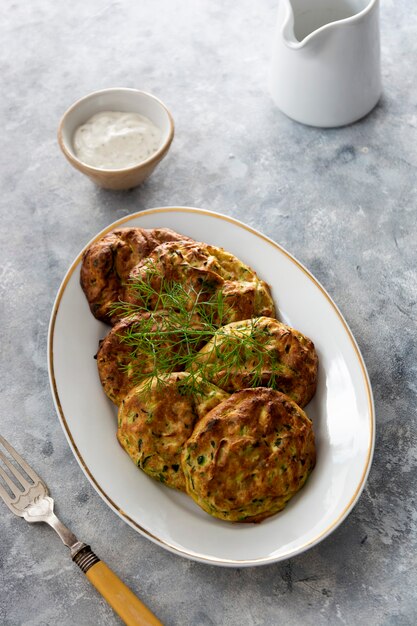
point(179, 320)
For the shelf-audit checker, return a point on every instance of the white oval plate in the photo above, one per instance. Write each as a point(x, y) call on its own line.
point(342, 409)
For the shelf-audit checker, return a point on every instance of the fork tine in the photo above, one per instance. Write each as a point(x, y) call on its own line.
point(22, 480)
point(27, 468)
point(7, 499)
point(11, 485)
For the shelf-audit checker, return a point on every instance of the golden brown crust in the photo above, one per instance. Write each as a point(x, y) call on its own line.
point(124, 357)
point(155, 420)
point(272, 354)
point(106, 265)
point(204, 271)
point(113, 358)
point(249, 455)
point(244, 299)
point(116, 367)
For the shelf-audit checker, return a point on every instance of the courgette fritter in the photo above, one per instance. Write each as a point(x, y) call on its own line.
point(122, 363)
point(208, 273)
point(260, 352)
point(249, 455)
point(155, 420)
point(107, 262)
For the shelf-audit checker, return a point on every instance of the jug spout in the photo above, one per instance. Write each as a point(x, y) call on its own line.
point(286, 22)
point(303, 20)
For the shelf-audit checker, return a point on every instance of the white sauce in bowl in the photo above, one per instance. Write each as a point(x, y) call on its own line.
point(114, 140)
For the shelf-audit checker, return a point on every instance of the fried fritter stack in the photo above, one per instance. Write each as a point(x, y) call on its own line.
point(230, 430)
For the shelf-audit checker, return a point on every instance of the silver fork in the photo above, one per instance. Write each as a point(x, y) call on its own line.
point(28, 497)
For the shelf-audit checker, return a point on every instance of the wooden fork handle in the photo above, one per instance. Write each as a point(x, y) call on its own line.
point(122, 600)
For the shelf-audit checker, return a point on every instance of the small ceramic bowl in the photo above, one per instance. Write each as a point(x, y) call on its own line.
point(116, 99)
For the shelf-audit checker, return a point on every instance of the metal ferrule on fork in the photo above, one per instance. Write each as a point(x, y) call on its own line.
point(85, 558)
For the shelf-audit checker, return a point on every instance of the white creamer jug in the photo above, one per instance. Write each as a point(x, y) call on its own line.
point(326, 60)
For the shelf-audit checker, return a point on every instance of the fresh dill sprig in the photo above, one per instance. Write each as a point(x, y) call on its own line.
point(172, 321)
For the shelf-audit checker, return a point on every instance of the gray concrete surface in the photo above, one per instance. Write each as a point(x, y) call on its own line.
point(342, 201)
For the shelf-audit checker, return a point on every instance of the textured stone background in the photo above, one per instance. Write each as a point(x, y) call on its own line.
point(342, 201)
